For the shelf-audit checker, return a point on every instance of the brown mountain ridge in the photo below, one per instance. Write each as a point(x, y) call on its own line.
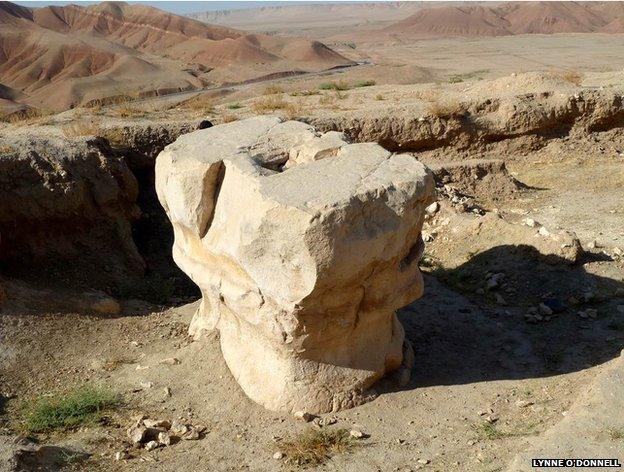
point(59, 57)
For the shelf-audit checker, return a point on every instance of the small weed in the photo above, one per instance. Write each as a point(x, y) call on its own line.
point(455, 79)
point(273, 90)
point(82, 406)
point(340, 85)
point(234, 106)
point(365, 83)
point(491, 432)
point(304, 93)
point(379, 97)
point(314, 447)
point(616, 434)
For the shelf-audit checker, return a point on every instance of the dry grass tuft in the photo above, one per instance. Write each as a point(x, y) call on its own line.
point(80, 128)
point(125, 111)
point(340, 85)
point(25, 116)
point(228, 118)
point(204, 103)
point(7, 149)
point(448, 108)
point(269, 104)
point(570, 76)
point(427, 95)
point(379, 97)
point(304, 93)
point(314, 447)
point(273, 90)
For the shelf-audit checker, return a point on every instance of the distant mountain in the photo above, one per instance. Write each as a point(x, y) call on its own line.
point(57, 57)
point(513, 18)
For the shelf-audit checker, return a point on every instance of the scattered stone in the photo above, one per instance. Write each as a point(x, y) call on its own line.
point(121, 456)
point(543, 231)
point(170, 361)
point(178, 428)
point(594, 245)
point(167, 391)
point(164, 424)
point(303, 416)
point(423, 461)
point(137, 433)
point(164, 438)
point(523, 403)
point(491, 419)
point(151, 445)
point(544, 309)
point(191, 435)
point(278, 455)
point(493, 280)
point(357, 434)
point(530, 222)
point(499, 299)
point(433, 208)
point(146, 385)
point(556, 305)
point(479, 291)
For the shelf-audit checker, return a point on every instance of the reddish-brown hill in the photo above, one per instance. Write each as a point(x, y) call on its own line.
point(513, 18)
point(453, 21)
point(63, 56)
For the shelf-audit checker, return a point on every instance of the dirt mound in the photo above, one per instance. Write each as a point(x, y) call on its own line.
point(64, 56)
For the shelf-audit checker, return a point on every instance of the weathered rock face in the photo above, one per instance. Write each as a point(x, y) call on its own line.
point(301, 271)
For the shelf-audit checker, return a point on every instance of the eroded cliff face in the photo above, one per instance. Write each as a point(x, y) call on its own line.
point(83, 210)
point(304, 246)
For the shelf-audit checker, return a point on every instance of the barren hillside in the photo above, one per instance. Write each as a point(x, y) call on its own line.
point(59, 57)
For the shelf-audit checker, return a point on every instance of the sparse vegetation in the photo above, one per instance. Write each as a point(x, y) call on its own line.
point(75, 129)
point(234, 106)
point(125, 111)
point(313, 447)
point(340, 85)
point(273, 90)
point(491, 432)
point(203, 103)
point(571, 76)
point(455, 79)
point(304, 93)
point(365, 83)
point(6, 149)
point(26, 116)
point(269, 104)
point(616, 434)
point(379, 97)
point(66, 411)
point(228, 118)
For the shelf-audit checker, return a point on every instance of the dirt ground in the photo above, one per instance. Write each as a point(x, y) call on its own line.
point(476, 360)
point(487, 384)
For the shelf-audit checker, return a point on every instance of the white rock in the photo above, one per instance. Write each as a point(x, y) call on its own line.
point(531, 223)
point(278, 455)
point(303, 416)
point(433, 208)
point(543, 231)
point(164, 439)
point(356, 433)
point(121, 455)
point(301, 271)
point(164, 424)
point(151, 445)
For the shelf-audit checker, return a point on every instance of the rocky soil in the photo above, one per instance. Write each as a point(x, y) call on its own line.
point(517, 339)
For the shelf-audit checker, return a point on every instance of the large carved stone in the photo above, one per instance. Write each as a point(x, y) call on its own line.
point(301, 270)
